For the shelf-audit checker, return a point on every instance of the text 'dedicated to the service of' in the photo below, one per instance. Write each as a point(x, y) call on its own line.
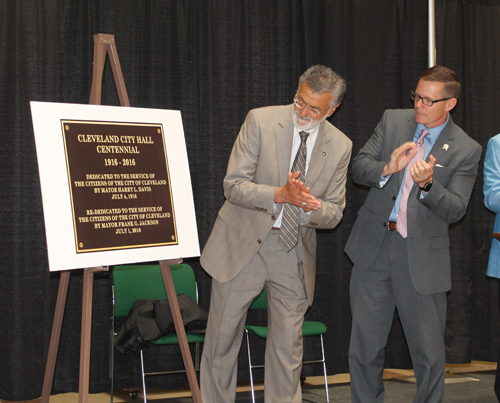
point(119, 183)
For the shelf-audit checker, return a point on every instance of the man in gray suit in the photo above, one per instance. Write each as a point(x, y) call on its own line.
point(403, 260)
point(247, 251)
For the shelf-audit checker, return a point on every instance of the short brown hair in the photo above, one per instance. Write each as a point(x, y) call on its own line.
point(443, 75)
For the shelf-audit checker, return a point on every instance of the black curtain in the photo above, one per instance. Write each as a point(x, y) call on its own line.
point(214, 60)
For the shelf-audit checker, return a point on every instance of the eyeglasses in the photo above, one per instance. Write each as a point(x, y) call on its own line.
point(301, 104)
point(425, 101)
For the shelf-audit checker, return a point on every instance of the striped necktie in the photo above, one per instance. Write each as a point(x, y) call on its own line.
point(289, 232)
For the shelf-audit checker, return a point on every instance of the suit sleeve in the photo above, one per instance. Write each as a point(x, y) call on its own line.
point(239, 185)
point(372, 158)
point(449, 201)
point(491, 188)
point(334, 201)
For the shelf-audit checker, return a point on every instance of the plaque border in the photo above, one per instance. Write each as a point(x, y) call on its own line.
point(90, 122)
point(56, 196)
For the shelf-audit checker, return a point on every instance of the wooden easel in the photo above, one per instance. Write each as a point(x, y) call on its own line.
point(104, 43)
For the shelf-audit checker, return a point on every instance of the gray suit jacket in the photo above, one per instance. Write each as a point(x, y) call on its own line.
point(457, 157)
point(259, 163)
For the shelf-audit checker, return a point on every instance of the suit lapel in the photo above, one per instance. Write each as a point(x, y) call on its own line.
point(319, 155)
point(284, 138)
point(444, 142)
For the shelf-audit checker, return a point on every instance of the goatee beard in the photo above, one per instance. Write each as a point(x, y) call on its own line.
point(306, 122)
point(302, 122)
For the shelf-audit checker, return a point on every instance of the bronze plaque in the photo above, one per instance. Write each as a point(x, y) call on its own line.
point(120, 186)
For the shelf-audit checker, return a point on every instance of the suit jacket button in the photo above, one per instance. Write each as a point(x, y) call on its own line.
point(393, 197)
point(385, 224)
point(259, 241)
point(273, 217)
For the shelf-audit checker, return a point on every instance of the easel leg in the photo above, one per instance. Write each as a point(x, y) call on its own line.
point(106, 43)
point(88, 286)
point(98, 70)
point(179, 328)
point(55, 336)
point(102, 43)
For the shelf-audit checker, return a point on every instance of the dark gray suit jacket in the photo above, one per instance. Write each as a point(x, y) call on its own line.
point(259, 163)
point(457, 157)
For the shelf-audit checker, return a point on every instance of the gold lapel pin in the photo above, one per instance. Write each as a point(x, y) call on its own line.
point(445, 147)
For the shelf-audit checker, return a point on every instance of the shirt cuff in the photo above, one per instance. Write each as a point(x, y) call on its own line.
point(383, 180)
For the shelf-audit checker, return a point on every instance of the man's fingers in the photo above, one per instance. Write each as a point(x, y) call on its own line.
point(311, 205)
point(408, 145)
point(404, 153)
point(411, 154)
point(432, 161)
point(308, 196)
point(407, 148)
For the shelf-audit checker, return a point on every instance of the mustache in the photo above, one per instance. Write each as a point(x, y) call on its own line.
point(308, 118)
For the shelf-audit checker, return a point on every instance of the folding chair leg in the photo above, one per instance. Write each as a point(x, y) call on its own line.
point(112, 346)
point(197, 360)
point(324, 368)
point(143, 379)
point(111, 364)
point(250, 367)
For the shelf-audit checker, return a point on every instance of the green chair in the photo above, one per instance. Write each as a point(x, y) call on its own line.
point(133, 282)
point(309, 328)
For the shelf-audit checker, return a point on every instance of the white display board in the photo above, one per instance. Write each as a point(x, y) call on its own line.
point(115, 185)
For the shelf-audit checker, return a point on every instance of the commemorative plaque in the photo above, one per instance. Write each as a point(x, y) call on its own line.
point(119, 182)
point(115, 185)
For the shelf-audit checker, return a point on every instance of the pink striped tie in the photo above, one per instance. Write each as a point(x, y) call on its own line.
point(408, 184)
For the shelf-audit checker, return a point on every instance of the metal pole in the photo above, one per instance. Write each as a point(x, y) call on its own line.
point(432, 35)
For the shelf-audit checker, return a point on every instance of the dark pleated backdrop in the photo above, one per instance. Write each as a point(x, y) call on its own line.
point(214, 60)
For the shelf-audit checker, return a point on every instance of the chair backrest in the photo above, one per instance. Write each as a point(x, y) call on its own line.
point(132, 282)
point(260, 301)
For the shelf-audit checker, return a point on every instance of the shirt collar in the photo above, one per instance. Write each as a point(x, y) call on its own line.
point(312, 133)
point(433, 133)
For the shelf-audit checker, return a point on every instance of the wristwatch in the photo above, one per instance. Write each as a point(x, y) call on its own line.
point(427, 186)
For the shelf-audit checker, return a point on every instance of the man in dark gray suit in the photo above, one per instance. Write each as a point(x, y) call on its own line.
point(400, 250)
point(247, 250)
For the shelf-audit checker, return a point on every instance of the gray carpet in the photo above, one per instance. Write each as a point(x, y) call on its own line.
point(396, 391)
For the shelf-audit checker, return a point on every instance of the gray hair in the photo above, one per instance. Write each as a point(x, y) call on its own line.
point(321, 79)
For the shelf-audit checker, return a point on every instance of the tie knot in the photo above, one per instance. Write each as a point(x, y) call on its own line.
point(303, 136)
point(424, 133)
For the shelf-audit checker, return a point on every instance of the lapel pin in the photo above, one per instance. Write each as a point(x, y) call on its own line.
point(445, 147)
point(324, 153)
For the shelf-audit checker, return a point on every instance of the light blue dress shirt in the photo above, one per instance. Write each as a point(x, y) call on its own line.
point(429, 142)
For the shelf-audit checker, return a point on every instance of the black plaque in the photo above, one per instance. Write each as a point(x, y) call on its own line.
point(120, 186)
